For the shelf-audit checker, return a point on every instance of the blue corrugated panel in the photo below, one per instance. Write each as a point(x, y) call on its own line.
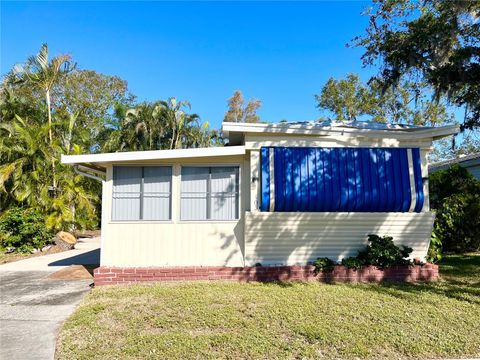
point(341, 179)
point(417, 167)
point(265, 161)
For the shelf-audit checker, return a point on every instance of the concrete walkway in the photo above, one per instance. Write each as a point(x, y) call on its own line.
point(33, 307)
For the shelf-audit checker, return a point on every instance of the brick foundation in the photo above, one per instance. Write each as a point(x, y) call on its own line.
point(115, 275)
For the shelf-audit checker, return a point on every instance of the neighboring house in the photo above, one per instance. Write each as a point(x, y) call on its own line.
point(470, 162)
point(283, 193)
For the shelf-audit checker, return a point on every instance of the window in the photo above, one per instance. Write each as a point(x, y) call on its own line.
point(141, 193)
point(209, 193)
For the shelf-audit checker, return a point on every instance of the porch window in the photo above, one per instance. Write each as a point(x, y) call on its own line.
point(209, 193)
point(141, 193)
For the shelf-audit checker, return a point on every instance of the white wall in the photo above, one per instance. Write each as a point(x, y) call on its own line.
point(297, 238)
point(175, 242)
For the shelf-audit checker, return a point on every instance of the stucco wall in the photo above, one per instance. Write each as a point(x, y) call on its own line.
point(297, 238)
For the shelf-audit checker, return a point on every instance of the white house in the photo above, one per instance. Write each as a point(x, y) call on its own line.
point(278, 194)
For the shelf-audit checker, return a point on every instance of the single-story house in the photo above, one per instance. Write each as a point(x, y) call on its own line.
point(277, 194)
point(470, 162)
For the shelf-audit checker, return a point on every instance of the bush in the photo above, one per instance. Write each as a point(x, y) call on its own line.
point(455, 197)
point(353, 262)
point(24, 230)
point(323, 265)
point(382, 252)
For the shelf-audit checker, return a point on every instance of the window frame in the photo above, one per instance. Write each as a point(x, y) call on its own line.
point(170, 202)
point(239, 194)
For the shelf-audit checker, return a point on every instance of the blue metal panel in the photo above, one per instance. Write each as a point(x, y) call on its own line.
point(359, 193)
point(350, 179)
point(417, 171)
point(367, 184)
point(397, 180)
point(279, 169)
point(296, 174)
point(375, 178)
point(288, 179)
point(312, 180)
point(330, 174)
point(407, 194)
point(340, 157)
point(382, 182)
point(341, 179)
point(321, 181)
point(265, 162)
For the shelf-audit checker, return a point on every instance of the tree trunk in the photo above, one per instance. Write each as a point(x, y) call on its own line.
point(50, 136)
point(65, 240)
point(172, 139)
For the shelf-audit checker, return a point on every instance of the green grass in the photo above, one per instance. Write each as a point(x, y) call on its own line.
point(281, 320)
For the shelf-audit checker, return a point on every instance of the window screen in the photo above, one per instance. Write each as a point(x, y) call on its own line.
point(141, 193)
point(209, 193)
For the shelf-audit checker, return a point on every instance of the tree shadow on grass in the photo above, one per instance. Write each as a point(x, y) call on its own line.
point(460, 280)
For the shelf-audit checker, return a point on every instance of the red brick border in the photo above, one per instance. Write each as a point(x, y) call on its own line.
point(105, 275)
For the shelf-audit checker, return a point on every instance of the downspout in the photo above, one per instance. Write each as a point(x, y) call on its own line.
point(78, 170)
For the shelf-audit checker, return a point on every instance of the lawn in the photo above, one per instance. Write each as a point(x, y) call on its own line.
point(281, 320)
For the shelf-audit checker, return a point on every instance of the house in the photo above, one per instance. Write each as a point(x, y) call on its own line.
point(278, 194)
point(470, 162)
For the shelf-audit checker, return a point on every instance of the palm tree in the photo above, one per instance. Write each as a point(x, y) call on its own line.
point(155, 126)
point(25, 157)
point(25, 153)
point(179, 122)
point(43, 74)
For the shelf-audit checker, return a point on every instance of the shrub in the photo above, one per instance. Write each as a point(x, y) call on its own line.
point(382, 252)
point(353, 262)
point(434, 253)
point(323, 265)
point(455, 197)
point(24, 230)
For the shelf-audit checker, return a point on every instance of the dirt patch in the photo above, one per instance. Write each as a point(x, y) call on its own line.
point(73, 272)
point(87, 234)
point(7, 258)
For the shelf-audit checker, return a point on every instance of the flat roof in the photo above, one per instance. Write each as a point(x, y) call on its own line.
point(153, 155)
point(353, 128)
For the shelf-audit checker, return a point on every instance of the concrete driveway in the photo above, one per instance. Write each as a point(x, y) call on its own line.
point(33, 307)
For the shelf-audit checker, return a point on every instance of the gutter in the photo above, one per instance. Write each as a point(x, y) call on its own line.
point(79, 169)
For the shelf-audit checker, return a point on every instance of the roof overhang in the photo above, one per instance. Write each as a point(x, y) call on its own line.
point(316, 129)
point(95, 161)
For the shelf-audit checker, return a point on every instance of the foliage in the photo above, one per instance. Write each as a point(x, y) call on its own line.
point(25, 174)
point(455, 197)
point(49, 107)
point(353, 262)
point(383, 253)
point(349, 99)
point(445, 149)
point(434, 253)
point(323, 265)
point(155, 126)
point(41, 73)
point(431, 41)
point(23, 229)
point(281, 321)
point(238, 111)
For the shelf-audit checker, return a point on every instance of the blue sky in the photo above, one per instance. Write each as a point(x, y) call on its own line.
point(279, 52)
